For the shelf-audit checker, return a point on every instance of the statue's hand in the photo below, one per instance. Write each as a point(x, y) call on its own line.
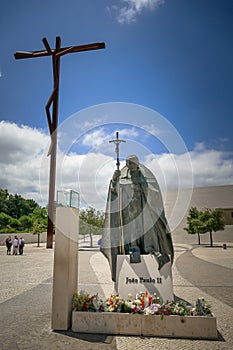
point(114, 191)
point(116, 175)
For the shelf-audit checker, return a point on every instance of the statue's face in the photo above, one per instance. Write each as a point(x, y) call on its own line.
point(131, 165)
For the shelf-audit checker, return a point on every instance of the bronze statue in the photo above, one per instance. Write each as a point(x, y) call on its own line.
point(135, 221)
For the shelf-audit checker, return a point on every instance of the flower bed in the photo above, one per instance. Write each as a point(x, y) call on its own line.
point(142, 315)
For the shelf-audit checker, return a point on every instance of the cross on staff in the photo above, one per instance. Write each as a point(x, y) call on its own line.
point(117, 142)
point(53, 120)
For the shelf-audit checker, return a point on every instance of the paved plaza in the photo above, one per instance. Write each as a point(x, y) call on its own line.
point(26, 295)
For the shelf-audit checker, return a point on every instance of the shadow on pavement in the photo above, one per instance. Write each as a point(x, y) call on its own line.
point(89, 337)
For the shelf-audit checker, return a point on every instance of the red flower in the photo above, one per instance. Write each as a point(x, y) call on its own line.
point(85, 306)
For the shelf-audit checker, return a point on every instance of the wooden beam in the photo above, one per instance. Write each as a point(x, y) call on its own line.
point(62, 51)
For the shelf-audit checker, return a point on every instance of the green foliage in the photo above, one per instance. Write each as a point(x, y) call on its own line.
point(8, 224)
point(15, 205)
point(193, 221)
point(3, 201)
point(203, 308)
point(91, 221)
point(5, 220)
point(39, 218)
point(203, 221)
point(38, 228)
point(25, 223)
point(18, 214)
point(14, 225)
point(213, 220)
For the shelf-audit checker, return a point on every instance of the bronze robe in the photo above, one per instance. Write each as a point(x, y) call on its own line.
point(135, 218)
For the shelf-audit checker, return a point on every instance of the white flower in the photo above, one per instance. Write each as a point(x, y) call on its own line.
point(152, 309)
point(96, 303)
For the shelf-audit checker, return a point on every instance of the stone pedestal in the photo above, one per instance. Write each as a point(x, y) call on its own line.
point(65, 274)
point(133, 278)
point(193, 327)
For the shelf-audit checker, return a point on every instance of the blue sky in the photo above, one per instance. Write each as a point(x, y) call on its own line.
point(173, 57)
point(176, 59)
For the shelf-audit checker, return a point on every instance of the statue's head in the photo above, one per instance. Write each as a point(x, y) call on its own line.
point(132, 162)
point(132, 158)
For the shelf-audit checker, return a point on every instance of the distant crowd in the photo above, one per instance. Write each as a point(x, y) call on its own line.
point(16, 243)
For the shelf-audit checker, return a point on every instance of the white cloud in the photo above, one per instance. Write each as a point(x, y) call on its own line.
point(99, 138)
point(21, 152)
point(24, 166)
point(152, 129)
point(130, 133)
point(95, 138)
point(211, 167)
point(16, 142)
point(128, 11)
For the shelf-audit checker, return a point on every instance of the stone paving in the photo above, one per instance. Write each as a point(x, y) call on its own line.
point(26, 292)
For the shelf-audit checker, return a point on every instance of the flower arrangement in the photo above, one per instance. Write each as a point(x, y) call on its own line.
point(143, 303)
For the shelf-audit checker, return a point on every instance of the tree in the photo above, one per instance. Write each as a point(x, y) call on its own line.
point(5, 221)
point(194, 223)
point(213, 221)
point(25, 223)
point(39, 218)
point(37, 229)
point(15, 205)
point(18, 206)
point(14, 225)
point(205, 221)
point(18, 214)
point(8, 224)
point(91, 221)
point(40, 214)
point(3, 200)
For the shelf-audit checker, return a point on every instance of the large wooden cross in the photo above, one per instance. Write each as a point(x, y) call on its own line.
point(53, 120)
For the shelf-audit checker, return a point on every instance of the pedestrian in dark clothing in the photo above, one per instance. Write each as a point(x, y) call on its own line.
point(21, 245)
point(8, 245)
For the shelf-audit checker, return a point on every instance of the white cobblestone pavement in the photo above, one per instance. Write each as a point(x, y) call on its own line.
point(26, 293)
